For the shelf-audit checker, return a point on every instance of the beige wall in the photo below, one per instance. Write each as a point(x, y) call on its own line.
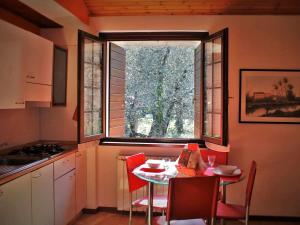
point(254, 42)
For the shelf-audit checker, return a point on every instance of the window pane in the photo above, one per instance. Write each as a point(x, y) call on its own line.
point(217, 75)
point(88, 126)
point(208, 52)
point(208, 100)
point(96, 99)
point(97, 122)
point(208, 76)
point(97, 76)
point(88, 99)
point(217, 49)
point(97, 53)
point(88, 50)
point(216, 125)
point(217, 99)
point(208, 124)
point(88, 75)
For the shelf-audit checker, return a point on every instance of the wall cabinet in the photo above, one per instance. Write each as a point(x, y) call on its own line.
point(81, 188)
point(43, 196)
point(65, 200)
point(25, 59)
point(15, 201)
point(12, 57)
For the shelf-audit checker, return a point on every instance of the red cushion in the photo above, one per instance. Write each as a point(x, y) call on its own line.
point(161, 220)
point(230, 211)
point(159, 202)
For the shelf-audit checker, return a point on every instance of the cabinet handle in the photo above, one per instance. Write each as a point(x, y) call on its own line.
point(37, 176)
point(1, 192)
point(30, 76)
point(78, 155)
point(19, 103)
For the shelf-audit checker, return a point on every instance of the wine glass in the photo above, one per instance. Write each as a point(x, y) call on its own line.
point(211, 160)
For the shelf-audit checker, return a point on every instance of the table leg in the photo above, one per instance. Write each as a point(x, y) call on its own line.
point(150, 203)
point(223, 200)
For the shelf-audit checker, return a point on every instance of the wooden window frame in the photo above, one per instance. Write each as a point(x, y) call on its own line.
point(80, 86)
point(150, 36)
point(223, 140)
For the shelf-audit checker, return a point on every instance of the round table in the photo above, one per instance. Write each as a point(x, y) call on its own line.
point(162, 178)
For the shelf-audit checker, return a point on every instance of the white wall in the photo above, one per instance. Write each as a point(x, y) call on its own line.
point(254, 42)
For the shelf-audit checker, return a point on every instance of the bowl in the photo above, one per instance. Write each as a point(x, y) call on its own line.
point(226, 169)
point(153, 163)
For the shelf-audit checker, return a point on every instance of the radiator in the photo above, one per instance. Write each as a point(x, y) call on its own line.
point(123, 201)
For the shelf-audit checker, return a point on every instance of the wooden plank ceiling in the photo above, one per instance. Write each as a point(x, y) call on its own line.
point(192, 7)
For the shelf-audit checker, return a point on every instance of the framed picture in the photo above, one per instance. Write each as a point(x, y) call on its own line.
point(269, 96)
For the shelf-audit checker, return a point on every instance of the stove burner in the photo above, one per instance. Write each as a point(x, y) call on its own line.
point(44, 150)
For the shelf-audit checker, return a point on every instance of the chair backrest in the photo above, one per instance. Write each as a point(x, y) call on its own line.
point(250, 183)
point(192, 197)
point(221, 157)
point(133, 162)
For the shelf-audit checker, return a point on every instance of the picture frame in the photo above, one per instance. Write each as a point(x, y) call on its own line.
point(269, 96)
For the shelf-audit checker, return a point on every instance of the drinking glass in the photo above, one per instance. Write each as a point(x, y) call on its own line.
point(211, 160)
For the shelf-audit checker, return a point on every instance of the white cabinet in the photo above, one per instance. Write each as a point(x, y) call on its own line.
point(64, 188)
point(81, 188)
point(15, 201)
point(26, 62)
point(38, 69)
point(12, 55)
point(43, 196)
point(39, 60)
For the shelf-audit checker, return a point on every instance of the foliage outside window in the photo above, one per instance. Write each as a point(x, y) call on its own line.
point(159, 89)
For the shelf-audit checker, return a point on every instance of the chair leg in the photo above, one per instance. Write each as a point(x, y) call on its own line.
point(130, 209)
point(223, 222)
point(247, 216)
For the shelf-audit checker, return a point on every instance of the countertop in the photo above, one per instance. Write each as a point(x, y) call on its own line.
point(20, 171)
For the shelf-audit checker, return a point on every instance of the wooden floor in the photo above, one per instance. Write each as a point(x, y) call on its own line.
point(108, 218)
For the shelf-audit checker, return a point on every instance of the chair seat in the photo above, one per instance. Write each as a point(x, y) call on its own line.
point(161, 220)
point(230, 211)
point(159, 202)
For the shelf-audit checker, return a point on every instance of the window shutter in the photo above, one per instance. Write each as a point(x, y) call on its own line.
point(197, 91)
point(117, 91)
point(215, 90)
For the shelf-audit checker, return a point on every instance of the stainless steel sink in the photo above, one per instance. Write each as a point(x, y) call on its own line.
point(16, 161)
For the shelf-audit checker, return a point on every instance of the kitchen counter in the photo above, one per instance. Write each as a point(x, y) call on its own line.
point(17, 171)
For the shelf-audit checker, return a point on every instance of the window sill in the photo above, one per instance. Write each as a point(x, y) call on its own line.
point(147, 142)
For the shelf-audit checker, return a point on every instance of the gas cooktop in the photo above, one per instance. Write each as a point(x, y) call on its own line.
point(40, 150)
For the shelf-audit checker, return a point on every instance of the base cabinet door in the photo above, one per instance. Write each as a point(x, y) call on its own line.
point(15, 202)
point(42, 196)
point(81, 188)
point(65, 203)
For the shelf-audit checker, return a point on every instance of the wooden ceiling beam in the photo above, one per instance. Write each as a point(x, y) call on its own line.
point(77, 8)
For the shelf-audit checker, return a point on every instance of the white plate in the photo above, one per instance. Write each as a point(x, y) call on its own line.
point(235, 173)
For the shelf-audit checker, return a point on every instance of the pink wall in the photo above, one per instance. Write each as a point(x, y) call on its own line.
point(254, 42)
point(19, 126)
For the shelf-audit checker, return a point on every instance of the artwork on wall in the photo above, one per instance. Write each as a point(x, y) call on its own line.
point(269, 96)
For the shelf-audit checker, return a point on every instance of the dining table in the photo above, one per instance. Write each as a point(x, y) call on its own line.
point(168, 170)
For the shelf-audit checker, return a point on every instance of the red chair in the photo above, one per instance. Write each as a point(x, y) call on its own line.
point(135, 183)
point(221, 157)
point(231, 211)
point(190, 200)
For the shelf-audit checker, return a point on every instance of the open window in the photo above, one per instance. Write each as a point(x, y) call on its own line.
point(162, 87)
point(91, 88)
point(214, 88)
